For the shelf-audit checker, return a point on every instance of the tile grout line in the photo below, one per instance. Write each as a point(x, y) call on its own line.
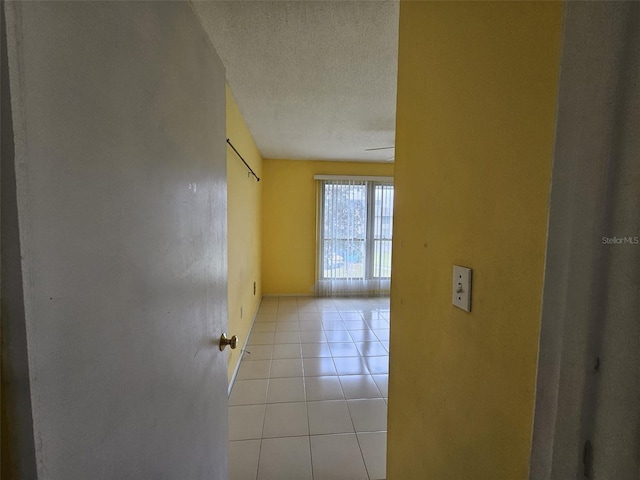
point(306, 404)
point(355, 432)
point(264, 418)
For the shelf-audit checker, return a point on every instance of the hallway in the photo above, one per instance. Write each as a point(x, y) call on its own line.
point(310, 401)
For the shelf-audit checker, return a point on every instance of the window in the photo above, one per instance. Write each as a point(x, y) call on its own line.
point(382, 229)
point(355, 224)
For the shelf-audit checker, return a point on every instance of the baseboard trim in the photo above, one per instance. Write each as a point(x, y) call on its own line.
point(288, 295)
point(242, 350)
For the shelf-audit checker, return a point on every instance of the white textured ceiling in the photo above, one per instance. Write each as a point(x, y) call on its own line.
point(313, 79)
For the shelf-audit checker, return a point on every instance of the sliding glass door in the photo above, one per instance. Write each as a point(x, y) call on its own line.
point(354, 235)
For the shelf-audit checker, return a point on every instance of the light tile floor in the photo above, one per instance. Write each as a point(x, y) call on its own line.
point(310, 401)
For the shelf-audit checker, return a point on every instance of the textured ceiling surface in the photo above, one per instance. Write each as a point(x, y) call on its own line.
point(313, 79)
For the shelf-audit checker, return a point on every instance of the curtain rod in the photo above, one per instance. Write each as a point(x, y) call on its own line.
point(355, 178)
point(243, 160)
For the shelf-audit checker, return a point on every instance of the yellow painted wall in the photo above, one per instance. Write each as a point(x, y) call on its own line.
point(474, 134)
point(289, 220)
point(244, 228)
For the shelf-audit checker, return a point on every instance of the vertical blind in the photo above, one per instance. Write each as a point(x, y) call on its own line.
point(355, 225)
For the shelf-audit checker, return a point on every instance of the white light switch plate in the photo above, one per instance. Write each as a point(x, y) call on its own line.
point(461, 296)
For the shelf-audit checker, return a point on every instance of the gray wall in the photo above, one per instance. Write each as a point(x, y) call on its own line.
point(588, 376)
point(18, 452)
point(120, 188)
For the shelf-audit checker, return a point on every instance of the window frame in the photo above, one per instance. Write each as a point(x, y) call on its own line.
point(370, 183)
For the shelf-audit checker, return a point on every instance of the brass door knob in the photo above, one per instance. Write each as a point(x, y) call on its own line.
point(224, 341)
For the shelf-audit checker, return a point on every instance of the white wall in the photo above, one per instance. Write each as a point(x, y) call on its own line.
point(120, 161)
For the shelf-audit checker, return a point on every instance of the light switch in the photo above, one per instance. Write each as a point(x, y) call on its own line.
point(461, 296)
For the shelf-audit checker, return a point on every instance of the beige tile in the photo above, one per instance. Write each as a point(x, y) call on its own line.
point(337, 336)
point(245, 422)
point(310, 350)
point(363, 336)
point(356, 325)
point(310, 325)
point(324, 301)
point(287, 308)
point(249, 392)
point(343, 350)
point(337, 457)
point(344, 305)
point(261, 338)
point(350, 366)
point(313, 337)
point(323, 388)
point(331, 316)
point(282, 390)
point(377, 365)
point(378, 323)
point(382, 381)
point(310, 308)
point(286, 367)
point(318, 367)
point(374, 451)
point(373, 315)
point(333, 325)
point(329, 417)
point(287, 327)
point(359, 386)
point(285, 459)
point(305, 301)
point(260, 327)
point(287, 317)
point(267, 309)
point(243, 459)
point(326, 308)
point(287, 350)
point(382, 333)
point(265, 317)
point(368, 415)
point(285, 420)
point(287, 300)
point(371, 349)
point(320, 350)
point(257, 352)
point(350, 316)
point(254, 369)
point(309, 317)
point(287, 337)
